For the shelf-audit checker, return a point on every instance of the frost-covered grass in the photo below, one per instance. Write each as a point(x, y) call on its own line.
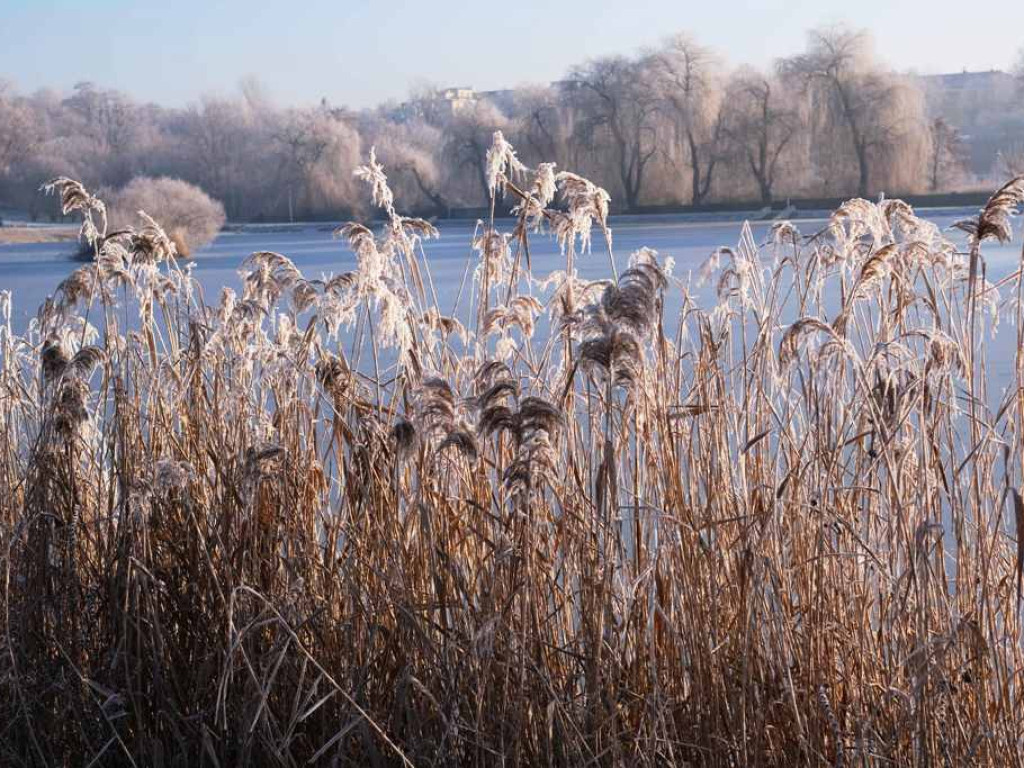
point(325, 521)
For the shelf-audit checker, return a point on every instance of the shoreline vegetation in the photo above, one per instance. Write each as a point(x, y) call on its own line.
point(670, 125)
point(18, 235)
point(324, 522)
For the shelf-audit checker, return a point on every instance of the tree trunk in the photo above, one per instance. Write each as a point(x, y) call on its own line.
point(434, 197)
point(761, 170)
point(629, 175)
point(482, 172)
point(631, 190)
point(696, 194)
point(862, 163)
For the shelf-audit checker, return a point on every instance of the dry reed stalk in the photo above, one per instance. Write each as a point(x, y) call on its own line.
point(748, 534)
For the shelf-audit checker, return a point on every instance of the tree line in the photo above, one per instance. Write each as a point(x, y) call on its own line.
point(671, 125)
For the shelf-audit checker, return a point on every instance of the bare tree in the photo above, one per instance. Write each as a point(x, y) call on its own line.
point(687, 77)
point(321, 151)
point(217, 131)
point(468, 135)
point(230, 152)
point(407, 150)
point(849, 90)
point(541, 125)
point(303, 139)
point(761, 125)
point(615, 98)
point(113, 121)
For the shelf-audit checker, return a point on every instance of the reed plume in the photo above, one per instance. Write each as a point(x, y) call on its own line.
point(327, 521)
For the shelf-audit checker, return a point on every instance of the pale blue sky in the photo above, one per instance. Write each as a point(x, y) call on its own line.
point(359, 52)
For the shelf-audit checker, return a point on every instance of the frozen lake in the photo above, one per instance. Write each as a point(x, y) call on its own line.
point(31, 272)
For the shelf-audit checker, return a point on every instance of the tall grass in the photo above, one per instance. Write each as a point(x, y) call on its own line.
point(328, 522)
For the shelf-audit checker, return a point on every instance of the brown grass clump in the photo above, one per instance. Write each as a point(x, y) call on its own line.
point(325, 522)
point(23, 235)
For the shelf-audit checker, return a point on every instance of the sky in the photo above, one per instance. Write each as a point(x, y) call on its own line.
point(359, 53)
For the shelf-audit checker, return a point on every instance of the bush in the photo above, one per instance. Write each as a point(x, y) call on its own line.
point(190, 216)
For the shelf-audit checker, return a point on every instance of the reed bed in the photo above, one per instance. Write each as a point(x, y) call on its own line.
point(330, 522)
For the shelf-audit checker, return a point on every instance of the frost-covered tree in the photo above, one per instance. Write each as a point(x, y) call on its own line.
point(114, 123)
point(542, 125)
point(319, 150)
point(17, 132)
point(761, 126)
point(223, 142)
point(468, 134)
point(409, 151)
point(618, 110)
point(858, 104)
point(687, 79)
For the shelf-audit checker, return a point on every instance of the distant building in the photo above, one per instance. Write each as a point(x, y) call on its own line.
point(963, 81)
point(985, 107)
point(456, 100)
point(439, 106)
point(445, 103)
point(457, 94)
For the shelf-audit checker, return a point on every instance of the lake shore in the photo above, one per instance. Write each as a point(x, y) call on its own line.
point(19, 235)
